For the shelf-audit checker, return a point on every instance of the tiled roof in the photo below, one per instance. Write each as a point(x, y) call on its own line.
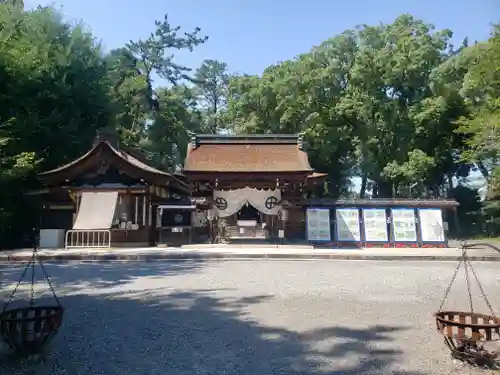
point(133, 161)
point(123, 155)
point(281, 153)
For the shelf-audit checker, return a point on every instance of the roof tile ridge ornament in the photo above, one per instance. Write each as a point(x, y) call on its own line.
point(300, 141)
point(108, 136)
point(194, 140)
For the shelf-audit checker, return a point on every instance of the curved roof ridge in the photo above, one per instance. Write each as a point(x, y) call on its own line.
point(128, 158)
point(71, 163)
point(140, 164)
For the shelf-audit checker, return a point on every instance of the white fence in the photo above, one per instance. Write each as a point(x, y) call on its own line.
point(91, 238)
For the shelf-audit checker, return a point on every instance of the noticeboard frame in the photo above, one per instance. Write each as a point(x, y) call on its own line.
point(393, 238)
point(387, 226)
point(444, 241)
point(359, 227)
point(307, 224)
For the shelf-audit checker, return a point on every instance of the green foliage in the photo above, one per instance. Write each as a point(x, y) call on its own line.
point(469, 213)
point(54, 97)
point(414, 170)
point(364, 100)
point(481, 89)
point(151, 53)
point(155, 120)
point(212, 80)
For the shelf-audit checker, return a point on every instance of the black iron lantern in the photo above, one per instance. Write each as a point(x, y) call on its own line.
point(27, 330)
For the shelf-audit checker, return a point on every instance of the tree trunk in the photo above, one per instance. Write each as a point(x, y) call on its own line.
point(214, 114)
point(449, 177)
point(384, 189)
point(364, 181)
point(483, 170)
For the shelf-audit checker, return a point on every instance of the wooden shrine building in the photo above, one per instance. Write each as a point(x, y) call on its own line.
point(253, 184)
point(108, 197)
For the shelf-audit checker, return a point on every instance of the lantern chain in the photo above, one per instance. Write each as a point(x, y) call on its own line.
point(490, 307)
point(468, 266)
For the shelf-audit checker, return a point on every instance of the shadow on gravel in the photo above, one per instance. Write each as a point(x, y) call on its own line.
point(99, 274)
point(152, 332)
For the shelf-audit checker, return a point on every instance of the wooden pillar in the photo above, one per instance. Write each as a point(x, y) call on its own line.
point(136, 211)
point(457, 224)
point(147, 213)
point(78, 201)
point(150, 211)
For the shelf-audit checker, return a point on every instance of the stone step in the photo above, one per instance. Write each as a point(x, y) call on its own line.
point(257, 233)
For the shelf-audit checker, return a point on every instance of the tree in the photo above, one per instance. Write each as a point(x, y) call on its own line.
point(168, 136)
point(54, 97)
point(152, 56)
point(481, 89)
point(139, 116)
point(130, 95)
point(15, 3)
point(357, 97)
point(212, 80)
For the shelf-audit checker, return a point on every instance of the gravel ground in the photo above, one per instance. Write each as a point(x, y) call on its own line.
point(250, 317)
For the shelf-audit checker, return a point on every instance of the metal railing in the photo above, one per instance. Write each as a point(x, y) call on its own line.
point(91, 238)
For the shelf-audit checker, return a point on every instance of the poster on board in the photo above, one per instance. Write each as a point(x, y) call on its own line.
point(375, 223)
point(431, 225)
point(318, 224)
point(347, 224)
point(403, 225)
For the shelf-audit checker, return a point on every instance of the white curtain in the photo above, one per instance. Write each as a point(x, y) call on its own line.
point(266, 201)
point(228, 202)
point(96, 210)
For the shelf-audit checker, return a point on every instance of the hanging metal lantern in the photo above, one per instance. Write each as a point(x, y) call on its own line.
point(27, 330)
point(467, 333)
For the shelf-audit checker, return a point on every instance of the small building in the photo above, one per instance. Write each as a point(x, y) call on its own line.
point(108, 197)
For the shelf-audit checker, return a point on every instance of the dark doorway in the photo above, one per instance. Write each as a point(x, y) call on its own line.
point(248, 212)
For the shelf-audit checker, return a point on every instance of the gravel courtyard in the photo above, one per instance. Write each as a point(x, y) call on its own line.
point(250, 317)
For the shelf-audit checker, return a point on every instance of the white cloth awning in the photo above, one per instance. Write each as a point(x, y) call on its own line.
point(97, 210)
point(228, 202)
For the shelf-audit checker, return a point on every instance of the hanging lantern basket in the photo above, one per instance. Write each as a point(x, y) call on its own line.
point(27, 330)
point(471, 337)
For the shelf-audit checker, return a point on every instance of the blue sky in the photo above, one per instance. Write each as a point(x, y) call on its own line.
point(250, 35)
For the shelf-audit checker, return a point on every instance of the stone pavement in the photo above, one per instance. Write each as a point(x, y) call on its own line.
point(228, 252)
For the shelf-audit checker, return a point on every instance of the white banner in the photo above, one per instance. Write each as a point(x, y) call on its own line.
point(375, 223)
point(431, 225)
point(229, 202)
point(348, 225)
point(403, 225)
point(318, 224)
